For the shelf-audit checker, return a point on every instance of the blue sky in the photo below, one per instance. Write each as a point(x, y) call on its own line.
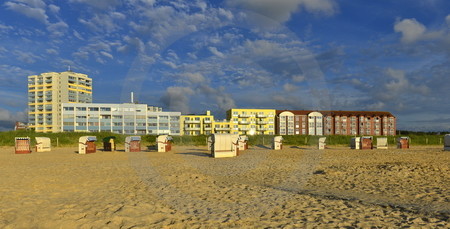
point(193, 56)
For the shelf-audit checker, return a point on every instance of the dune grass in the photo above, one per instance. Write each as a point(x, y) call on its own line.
point(71, 139)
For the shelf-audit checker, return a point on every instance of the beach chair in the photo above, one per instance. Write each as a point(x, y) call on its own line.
point(86, 144)
point(382, 143)
point(355, 143)
point(321, 143)
point(277, 143)
point(22, 145)
point(43, 144)
point(366, 142)
point(133, 144)
point(164, 143)
point(109, 143)
point(224, 145)
point(243, 142)
point(447, 142)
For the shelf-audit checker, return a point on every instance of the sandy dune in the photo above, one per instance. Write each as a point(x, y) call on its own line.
point(294, 187)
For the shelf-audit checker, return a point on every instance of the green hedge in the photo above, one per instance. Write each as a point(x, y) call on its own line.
point(71, 139)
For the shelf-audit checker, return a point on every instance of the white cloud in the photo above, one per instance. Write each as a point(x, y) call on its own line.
point(99, 4)
point(447, 20)
point(27, 57)
point(78, 35)
point(103, 22)
point(6, 29)
point(411, 30)
point(281, 11)
point(11, 75)
point(298, 78)
point(58, 29)
point(226, 13)
point(54, 8)
point(170, 64)
point(52, 51)
point(216, 52)
point(194, 78)
point(32, 8)
point(106, 54)
point(289, 87)
point(399, 83)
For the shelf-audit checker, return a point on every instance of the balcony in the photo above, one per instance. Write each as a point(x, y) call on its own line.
point(245, 116)
point(192, 121)
point(262, 122)
point(261, 115)
point(244, 122)
point(244, 129)
point(222, 128)
point(208, 128)
point(191, 128)
point(264, 129)
point(207, 121)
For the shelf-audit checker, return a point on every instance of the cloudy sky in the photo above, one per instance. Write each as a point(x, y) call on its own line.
point(193, 56)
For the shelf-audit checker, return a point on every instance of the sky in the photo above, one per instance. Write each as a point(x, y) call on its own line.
point(198, 55)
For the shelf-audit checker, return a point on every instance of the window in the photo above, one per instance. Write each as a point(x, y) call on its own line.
point(81, 108)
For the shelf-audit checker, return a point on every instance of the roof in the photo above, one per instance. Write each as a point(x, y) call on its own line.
point(340, 113)
point(295, 112)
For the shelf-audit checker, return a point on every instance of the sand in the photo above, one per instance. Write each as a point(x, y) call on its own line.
point(295, 187)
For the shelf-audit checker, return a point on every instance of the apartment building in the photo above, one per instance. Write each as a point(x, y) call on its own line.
point(128, 118)
point(292, 122)
point(360, 123)
point(335, 123)
point(252, 121)
point(46, 93)
point(222, 126)
point(194, 125)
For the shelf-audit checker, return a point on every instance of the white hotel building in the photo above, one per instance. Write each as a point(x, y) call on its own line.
point(127, 118)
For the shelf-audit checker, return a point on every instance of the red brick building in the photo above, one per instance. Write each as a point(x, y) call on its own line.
point(304, 122)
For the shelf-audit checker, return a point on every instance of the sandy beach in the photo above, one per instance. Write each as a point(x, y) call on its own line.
point(297, 187)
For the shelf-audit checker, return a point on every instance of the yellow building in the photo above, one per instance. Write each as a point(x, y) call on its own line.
point(46, 93)
point(222, 126)
point(197, 124)
point(252, 121)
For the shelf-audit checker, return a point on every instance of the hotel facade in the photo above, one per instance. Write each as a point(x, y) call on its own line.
point(127, 118)
point(203, 124)
point(296, 122)
point(46, 93)
point(252, 121)
point(194, 125)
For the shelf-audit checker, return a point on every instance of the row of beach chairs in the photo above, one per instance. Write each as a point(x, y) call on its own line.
point(220, 145)
point(86, 144)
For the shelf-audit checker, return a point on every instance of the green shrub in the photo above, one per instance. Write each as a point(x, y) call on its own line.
point(71, 139)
